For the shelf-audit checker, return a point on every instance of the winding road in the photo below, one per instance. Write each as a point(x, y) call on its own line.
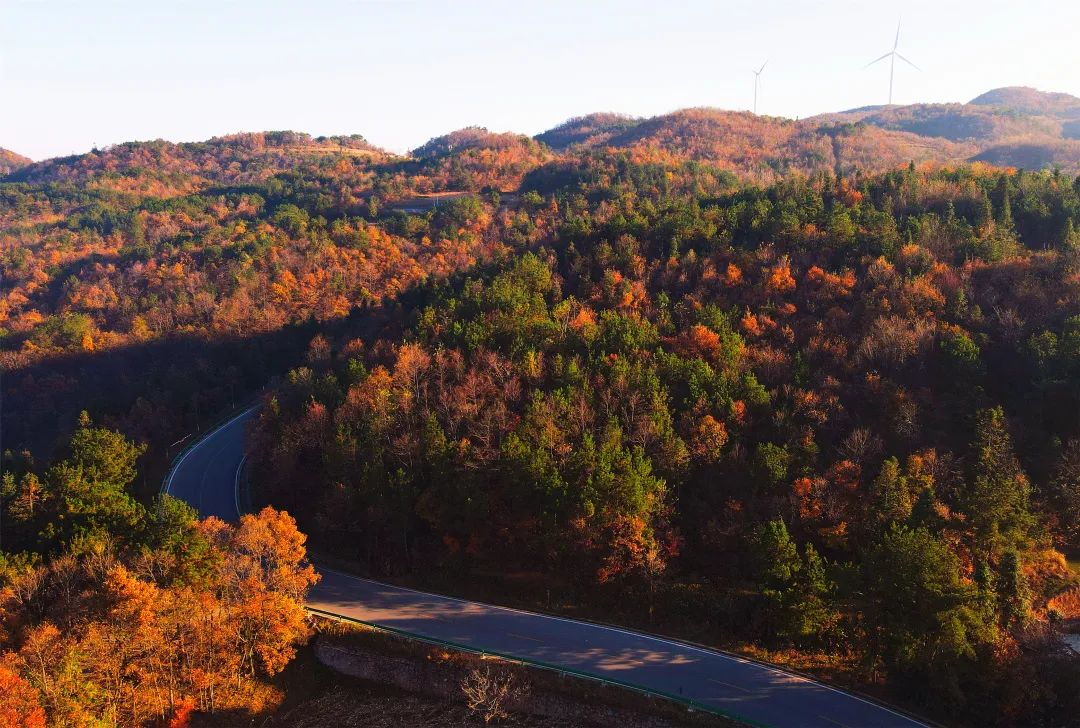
point(206, 477)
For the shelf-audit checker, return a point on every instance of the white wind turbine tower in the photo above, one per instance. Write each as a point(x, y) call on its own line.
point(893, 55)
point(757, 77)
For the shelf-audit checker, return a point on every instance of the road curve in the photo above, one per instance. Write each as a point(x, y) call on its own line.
point(205, 476)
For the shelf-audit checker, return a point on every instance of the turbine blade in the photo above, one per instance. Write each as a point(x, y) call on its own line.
point(908, 62)
point(763, 67)
point(897, 41)
point(877, 60)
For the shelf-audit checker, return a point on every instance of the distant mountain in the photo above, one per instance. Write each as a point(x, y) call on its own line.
point(590, 130)
point(10, 161)
point(474, 158)
point(1010, 126)
point(471, 137)
point(158, 166)
point(1027, 100)
point(1013, 126)
point(757, 147)
point(956, 122)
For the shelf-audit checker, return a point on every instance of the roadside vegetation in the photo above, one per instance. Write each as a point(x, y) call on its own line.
point(112, 613)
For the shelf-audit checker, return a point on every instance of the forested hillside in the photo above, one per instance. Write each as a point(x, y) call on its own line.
point(158, 282)
point(10, 161)
point(1018, 127)
point(1014, 126)
point(807, 389)
point(758, 148)
point(744, 408)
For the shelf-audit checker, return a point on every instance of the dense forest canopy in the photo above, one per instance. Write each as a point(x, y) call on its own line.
point(814, 386)
point(114, 613)
point(779, 391)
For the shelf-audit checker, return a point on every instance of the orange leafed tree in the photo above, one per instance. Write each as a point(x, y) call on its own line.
point(780, 279)
point(19, 701)
point(266, 568)
point(126, 649)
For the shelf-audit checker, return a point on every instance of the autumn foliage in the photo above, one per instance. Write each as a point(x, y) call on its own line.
point(812, 385)
point(129, 639)
point(760, 391)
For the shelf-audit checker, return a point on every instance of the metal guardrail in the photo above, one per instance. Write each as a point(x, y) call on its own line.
point(650, 692)
point(539, 664)
point(200, 436)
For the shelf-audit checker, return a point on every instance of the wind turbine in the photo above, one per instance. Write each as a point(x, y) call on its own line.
point(893, 55)
point(757, 77)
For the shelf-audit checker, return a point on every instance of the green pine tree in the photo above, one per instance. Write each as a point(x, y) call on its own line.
point(1005, 216)
point(984, 215)
point(88, 490)
point(924, 512)
point(1070, 238)
point(999, 491)
point(1065, 493)
point(810, 611)
point(891, 499)
point(796, 590)
point(1013, 597)
point(923, 621)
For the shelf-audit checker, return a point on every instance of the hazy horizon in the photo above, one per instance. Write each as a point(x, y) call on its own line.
point(399, 73)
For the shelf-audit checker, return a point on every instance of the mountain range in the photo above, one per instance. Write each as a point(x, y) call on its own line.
point(1014, 127)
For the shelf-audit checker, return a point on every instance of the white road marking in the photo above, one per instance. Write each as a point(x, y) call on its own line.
point(834, 722)
point(236, 486)
point(727, 684)
point(200, 443)
point(206, 471)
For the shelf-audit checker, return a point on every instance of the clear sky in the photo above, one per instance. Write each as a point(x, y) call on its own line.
point(74, 73)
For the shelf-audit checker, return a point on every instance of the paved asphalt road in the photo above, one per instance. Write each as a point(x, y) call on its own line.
point(206, 476)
